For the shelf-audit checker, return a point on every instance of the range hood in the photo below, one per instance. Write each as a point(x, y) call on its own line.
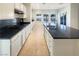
point(18, 11)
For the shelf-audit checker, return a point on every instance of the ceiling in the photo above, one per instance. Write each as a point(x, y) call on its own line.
point(48, 5)
point(44, 6)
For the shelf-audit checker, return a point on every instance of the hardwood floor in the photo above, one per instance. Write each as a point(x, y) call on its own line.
point(35, 45)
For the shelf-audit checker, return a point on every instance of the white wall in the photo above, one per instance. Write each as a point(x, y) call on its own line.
point(28, 12)
point(6, 11)
point(75, 15)
point(72, 11)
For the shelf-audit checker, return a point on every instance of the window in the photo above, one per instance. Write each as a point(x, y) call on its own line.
point(45, 17)
point(38, 19)
point(63, 20)
point(52, 15)
point(53, 18)
point(38, 16)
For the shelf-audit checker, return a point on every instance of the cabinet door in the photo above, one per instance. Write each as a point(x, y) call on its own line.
point(28, 30)
point(5, 47)
point(16, 44)
point(64, 47)
point(76, 48)
point(49, 40)
point(23, 34)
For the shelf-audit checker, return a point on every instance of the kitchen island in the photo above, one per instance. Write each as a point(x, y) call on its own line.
point(66, 41)
point(68, 33)
point(9, 31)
point(12, 38)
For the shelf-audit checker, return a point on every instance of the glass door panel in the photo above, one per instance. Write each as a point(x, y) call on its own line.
point(53, 21)
point(45, 19)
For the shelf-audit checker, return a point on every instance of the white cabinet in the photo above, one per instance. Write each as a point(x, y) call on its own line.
point(7, 10)
point(23, 35)
point(28, 27)
point(11, 47)
point(64, 47)
point(49, 40)
point(16, 44)
point(18, 40)
point(5, 47)
point(26, 31)
point(76, 48)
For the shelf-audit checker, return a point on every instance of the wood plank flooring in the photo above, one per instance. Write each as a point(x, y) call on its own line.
point(35, 45)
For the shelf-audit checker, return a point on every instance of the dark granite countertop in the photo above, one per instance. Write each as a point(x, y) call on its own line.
point(9, 32)
point(68, 33)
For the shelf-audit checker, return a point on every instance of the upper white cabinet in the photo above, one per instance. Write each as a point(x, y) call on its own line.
point(49, 40)
point(6, 10)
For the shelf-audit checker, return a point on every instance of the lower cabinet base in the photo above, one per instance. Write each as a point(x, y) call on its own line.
point(5, 47)
point(64, 47)
point(11, 47)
